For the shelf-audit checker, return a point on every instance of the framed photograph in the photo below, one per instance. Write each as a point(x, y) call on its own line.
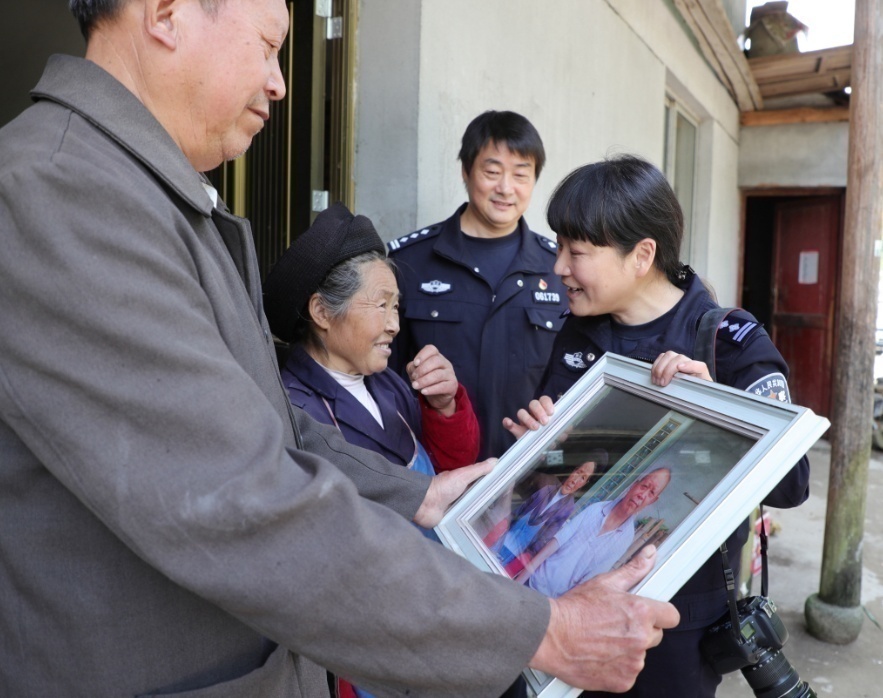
point(623, 464)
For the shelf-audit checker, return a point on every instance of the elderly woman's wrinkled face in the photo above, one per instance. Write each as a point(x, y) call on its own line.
point(359, 341)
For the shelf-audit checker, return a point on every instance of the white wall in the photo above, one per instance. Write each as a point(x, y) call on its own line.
point(387, 83)
point(591, 75)
point(794, 155)
point(722, 262)
point(584, 101)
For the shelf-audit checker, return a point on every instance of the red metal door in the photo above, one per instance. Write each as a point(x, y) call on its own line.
point(805, 267)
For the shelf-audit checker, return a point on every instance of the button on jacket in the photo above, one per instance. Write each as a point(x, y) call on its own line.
point(498, 340)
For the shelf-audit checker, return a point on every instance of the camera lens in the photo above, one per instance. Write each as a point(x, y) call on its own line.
point(774, 677)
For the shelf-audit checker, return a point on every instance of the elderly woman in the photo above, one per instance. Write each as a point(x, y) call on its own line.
point(333, 296)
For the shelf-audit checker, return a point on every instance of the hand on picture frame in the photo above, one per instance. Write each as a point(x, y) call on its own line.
point(599, 633)
point(445, 488)
point(537, 414)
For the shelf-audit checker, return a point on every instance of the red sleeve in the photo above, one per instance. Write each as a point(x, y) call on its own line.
point(451, 442)
point(344, 689)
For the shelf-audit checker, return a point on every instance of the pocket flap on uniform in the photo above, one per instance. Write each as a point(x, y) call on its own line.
point(545, 318)
point(434, 311)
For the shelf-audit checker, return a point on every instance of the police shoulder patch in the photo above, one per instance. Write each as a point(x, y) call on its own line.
point(546, 244)
point(738, 327)
point(773, 385)
point(405, 240)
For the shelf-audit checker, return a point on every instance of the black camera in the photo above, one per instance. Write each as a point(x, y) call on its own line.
point(756, 649)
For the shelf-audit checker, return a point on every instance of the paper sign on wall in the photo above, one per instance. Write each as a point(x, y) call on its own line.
point(808, 273)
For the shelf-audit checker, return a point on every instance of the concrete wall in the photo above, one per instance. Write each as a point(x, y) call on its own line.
point(582, 103)
point(387, 92)
point(795, 155)
point(592, 75)
point(721, 261)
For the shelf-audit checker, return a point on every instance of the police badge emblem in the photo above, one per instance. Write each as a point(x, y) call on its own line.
point(575, 360)
point(435, 287)
point(542, 295)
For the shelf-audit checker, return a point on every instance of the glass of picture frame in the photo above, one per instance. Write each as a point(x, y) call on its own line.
point(623, 464)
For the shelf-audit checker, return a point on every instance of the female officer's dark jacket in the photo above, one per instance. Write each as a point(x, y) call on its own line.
point(498, 340)
point(744, 358)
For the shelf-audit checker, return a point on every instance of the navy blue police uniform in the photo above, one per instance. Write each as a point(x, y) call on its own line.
point(745, 358)
point(498, 339)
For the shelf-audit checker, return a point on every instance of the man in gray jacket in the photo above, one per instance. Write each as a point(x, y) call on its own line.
point(167, 524)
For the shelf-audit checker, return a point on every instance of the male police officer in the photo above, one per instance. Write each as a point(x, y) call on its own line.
point(480, 286)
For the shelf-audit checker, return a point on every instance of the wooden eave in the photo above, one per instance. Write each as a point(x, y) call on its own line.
point(786, 75)
point(798, 115)
point(750, 81)
point(795, 74)
point(709, 23)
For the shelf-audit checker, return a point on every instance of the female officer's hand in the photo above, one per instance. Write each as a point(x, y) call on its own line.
point(536, 415)
point(669, 363)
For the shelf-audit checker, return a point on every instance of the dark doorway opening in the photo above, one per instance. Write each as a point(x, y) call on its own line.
point(790, 281)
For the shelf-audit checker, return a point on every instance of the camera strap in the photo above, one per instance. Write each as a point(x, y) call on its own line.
point(730, 578)
point(764, 573)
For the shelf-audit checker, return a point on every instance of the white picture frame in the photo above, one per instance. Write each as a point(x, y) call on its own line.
point(723, 451)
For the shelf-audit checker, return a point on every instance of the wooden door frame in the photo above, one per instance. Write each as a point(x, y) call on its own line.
point(785, 193)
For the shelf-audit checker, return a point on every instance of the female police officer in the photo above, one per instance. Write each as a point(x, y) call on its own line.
point(619, 228)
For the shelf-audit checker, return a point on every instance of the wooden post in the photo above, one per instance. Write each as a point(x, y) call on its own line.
point(835, 613)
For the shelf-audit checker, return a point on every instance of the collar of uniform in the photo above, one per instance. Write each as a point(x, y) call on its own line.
point(531, 258)
point(94, 94)
point(310, 374)
point(307, 371)
point(696, 300)
point(394, 436)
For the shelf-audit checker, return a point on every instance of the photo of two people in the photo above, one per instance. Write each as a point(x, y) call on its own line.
point(624, 473)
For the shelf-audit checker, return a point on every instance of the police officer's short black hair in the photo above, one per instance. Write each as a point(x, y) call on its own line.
point(502, 127)
point(617, 203)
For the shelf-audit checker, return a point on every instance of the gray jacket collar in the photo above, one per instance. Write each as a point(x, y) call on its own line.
point(94, 94)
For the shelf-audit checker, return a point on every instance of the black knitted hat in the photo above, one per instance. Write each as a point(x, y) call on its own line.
point(336, 235)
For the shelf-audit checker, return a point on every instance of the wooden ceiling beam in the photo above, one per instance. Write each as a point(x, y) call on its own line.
point(827, 70)
point(799, 115)
point(717, 41)
point(829, 82)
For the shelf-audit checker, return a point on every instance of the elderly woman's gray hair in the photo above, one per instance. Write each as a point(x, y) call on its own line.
point(336, 293)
